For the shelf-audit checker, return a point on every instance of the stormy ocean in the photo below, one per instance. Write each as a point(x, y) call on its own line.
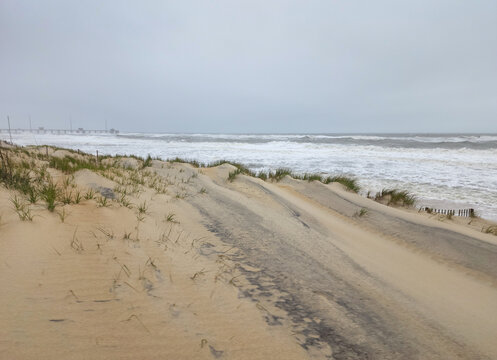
point(443, 170)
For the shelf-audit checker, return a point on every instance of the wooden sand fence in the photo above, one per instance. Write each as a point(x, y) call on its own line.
point(450, 212)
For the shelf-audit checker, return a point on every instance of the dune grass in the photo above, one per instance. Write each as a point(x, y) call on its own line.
point(362, 212)
point(171, 217)
point(490, 230)
point(35, 182)
point(62, 215)
point(143, 208)
point(147, 162)
point(349, 182)
point(90, 194)
point(22, 209)
point(49, 193)
point(124, 201)
point(102, 201)
point(232, 175)
point(312, 177)
point(69, 164)
point(277, 175)
point(14, 175)
point(396, 197)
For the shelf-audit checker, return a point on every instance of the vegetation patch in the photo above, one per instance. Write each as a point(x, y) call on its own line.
point(396, 197)
point(490, 230)
point(232, 175)
point(49, 193)
point(349, 182)
point(69, 164)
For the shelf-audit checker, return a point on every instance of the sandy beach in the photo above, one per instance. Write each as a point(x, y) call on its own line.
point(148, 259)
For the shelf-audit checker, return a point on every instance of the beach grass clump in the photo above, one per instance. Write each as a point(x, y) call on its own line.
point(14, 175)
point(49, 192)
point(349, 182)
point(22, 209)
point(312, 177)
point(396, 197)
point(147, 162)
point(124, 201)
point(32, 195)
point(492, 229)
point(361, 212)
point(17, 202)
point(90, 194)
point(143, 208)
point(171, 217)
point(194, 163)
point(243, 169)
point(233, 174)
point(262, 175)
point(279, 174)
point(102, 201)
point(66, 197)
point(68, 182)
point(69, 164)
point(77, 197)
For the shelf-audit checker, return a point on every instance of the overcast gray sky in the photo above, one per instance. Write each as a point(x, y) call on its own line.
point(251, 66)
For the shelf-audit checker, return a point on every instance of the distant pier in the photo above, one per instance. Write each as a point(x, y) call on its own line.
point(42, 130)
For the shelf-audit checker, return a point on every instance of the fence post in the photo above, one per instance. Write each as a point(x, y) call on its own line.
point(10, 134)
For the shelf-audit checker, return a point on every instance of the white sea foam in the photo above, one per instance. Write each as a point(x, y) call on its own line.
point(455, 170)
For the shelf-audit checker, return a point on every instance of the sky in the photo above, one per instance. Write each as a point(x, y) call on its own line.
point(252, 66)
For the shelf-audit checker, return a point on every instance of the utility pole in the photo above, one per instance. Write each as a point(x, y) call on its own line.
point(10, 134)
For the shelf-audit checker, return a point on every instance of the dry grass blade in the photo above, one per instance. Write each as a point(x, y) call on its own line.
point(76, 244)
point(62, 215)
point(197, 274)
point(137, 318)
point(107, 233)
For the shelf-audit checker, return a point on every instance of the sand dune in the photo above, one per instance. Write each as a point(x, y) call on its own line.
point(180, 263)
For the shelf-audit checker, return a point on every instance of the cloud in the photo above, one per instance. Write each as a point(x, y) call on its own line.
point(251, 66)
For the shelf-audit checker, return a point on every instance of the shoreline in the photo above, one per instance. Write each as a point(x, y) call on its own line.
point(421, 201)
point(141, 258)
point(432, 174)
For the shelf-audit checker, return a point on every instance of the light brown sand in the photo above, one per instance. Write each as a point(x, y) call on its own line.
point(247, 270)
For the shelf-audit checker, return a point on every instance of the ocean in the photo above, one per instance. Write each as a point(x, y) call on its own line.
point(442, 170)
